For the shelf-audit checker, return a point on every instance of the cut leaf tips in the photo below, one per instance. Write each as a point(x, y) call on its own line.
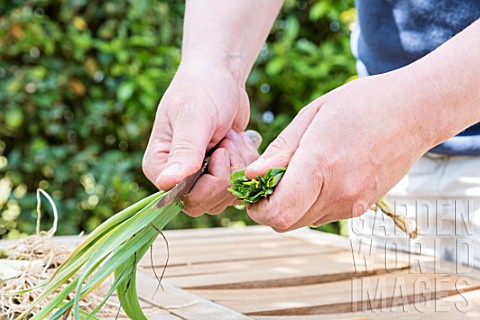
point(251, 191)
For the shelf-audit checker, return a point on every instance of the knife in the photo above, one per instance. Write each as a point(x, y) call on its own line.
point(183, 187)
point(186, 185)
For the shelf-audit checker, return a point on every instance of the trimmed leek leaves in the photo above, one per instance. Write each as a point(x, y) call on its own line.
point(251, 191)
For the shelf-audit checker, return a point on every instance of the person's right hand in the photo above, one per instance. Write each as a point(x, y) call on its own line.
point(198, 109)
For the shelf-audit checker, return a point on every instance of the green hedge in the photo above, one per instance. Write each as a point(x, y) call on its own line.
point(80, 81)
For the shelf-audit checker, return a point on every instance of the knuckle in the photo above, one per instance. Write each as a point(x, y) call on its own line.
point(193, 211)
point(326, 164)
point(182, 147)
point(349, 189)
point(280, 147)
point(228, 145)
point(322, 166)
point(256, 213)
point(163, 104)
point(312, 107)
point(281, 221)
point(317, 170)
point(280, 143)
point(194, 202)
point(270, 215)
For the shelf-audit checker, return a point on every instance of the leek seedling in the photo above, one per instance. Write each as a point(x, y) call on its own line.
point(251, 191)
point(32, 260)
point(115, 247)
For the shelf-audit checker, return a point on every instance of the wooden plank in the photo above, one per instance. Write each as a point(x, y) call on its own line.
point(224, 239)
point(152, 314)
point(337, 297)
point(319, 238)
point(223, 248)
point(341, 259)
point(278, 272)
point(217, 232)
point(368, 250)
point(182, 303)
point(151, 311)
point(464, 306)
point(240, 252)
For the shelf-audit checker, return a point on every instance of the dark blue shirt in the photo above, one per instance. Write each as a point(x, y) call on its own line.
point(394, 33)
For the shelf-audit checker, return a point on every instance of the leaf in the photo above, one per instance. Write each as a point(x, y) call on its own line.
point(108, 249)
point(251, 191)
point(319, 10)
point(125, 91)
point(276, 65)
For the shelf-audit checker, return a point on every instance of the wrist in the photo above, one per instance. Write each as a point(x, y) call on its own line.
point(420, 101)
point(405, 108)
point(231, 63)
point(443, 86)
point(437, 112)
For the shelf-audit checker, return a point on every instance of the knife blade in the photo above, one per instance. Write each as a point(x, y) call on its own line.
point(183, 187)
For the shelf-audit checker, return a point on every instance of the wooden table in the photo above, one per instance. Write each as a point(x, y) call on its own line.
point(254, 273)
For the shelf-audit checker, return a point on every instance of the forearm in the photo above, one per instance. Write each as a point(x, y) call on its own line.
point(228, 33)
point(444, 86)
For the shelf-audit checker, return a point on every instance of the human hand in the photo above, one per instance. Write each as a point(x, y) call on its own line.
point(200, 106)
point(210, 195)
point(344, 151)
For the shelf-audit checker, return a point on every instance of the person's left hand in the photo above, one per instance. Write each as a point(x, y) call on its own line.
point(344, 151)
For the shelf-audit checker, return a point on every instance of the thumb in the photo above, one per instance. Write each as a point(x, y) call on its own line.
point(191, 135)
point(281, 150)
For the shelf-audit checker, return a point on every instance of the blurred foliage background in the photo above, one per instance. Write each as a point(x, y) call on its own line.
point(80, 81)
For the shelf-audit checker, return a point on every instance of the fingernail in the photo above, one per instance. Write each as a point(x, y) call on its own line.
point(172, 170)
point(254, 137)
point(250, 144)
